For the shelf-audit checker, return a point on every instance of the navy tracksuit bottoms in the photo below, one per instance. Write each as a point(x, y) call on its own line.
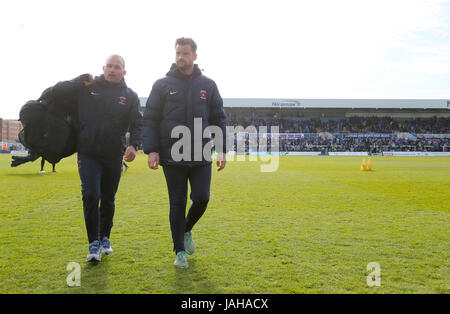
point(177, 178)
point(99, 182)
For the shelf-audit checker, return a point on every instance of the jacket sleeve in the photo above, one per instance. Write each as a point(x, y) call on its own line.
point(152, 119)
point(136, 124)
point(217, 114)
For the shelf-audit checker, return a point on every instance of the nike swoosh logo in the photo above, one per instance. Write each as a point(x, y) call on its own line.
point(173, 93)
point(95, 94)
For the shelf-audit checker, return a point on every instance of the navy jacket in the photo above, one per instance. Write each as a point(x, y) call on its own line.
point(176, 100)
point(105, 113)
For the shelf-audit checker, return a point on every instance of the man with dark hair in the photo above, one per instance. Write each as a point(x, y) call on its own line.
point(185, 42)
point(181, 99)
point(107, 109)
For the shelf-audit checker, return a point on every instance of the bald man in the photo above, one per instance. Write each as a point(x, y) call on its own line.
point(107, 109)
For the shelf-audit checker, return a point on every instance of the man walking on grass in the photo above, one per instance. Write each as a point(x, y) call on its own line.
point(106, 110)
point(177, 102)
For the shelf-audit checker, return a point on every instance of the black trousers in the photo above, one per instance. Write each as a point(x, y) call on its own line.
point(177, 178)
point(99, 182)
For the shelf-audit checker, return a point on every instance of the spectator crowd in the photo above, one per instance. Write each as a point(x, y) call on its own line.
point(355, 134)
point(350, 125)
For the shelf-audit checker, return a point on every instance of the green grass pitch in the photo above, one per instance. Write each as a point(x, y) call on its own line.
point(310, 227)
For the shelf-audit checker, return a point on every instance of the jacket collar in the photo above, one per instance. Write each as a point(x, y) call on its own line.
point(102, 81)
point(175, 72)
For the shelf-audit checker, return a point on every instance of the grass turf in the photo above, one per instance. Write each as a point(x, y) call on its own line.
point(310, 227)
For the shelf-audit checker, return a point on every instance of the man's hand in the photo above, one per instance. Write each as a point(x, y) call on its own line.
point(153, 161)
point(130, 154)
point(221, 161)
point(89, 82)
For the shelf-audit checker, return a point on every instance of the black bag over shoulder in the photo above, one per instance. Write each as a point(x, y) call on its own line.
point(47, 130)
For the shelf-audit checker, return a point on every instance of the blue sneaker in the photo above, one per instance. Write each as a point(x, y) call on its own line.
point(180, 260)
point(94, 252)
point(105, 246)
point(189, 245)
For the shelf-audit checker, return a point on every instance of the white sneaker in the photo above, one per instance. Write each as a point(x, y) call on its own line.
point(94, 252)
point(105, 246)
point(180, 260)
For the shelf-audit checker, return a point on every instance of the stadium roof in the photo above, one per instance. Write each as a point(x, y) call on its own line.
point(333, 103)
point(337, 103)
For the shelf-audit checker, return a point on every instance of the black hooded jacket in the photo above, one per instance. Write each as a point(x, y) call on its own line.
point(49, 128)
point(105, 112)
point(176, 100)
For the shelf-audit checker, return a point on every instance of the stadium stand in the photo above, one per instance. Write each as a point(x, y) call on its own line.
point(346, 125)
point(357, 134)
